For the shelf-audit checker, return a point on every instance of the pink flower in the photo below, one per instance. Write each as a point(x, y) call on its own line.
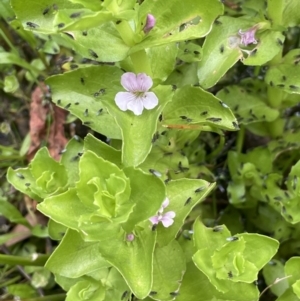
point(137, 96)
point(248, 36)
point(130, 237)
point(150, 23)
point(166, 219)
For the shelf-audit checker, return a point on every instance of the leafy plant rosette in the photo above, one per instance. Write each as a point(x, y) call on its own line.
point(123, 211)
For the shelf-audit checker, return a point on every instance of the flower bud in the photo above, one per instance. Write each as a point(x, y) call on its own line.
point(150, 23)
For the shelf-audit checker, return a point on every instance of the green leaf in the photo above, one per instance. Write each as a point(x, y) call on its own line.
point(288, 295)
point(194, 280)
point(138, 131)
point(74, 257)
point(220, 50)
point(147, 193)
point(104, 188)
point(134, 260)
point(272, 271)
point(84, 97)
point(11, 84)
point(70, 159)
point(162, 65)
point(254, 107)
point(11, 213)
point(193, 107)
point(184, 195)
point(284, 76)
point(102, 149)
point(168, 270)
point(178, 21)
point(270, 44)
point(290, 16)
point(86, 290)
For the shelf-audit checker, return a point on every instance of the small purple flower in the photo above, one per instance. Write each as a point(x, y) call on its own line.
point(150, 23)
point(130, 237)
point(166, 219)
point(137, 96)
point(248, 36)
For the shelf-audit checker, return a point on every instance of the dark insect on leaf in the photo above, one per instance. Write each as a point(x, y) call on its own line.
point(271, 262)
point(75, 158)
point(74, 66)
point(46, 10)
point(222, 48)
point(61, 25)
point(62, 151)
point(279, 42)
point(167, 180)
point(155, 137)
point(79, 154)
point(76, 103)
point(253, 52)
point(271, 83)
point(99, 112)
point(236, 126)
point(19, 175)
point(168, 154)
point(217, 22)
point(75, 15)
point(86, 112)
point(58, 101)
point(226, 90)
point(174, 294)
point(155, 172)
point(93, 53)
point(32, 25)
point(183, 117)
point(280, 85)
point(82, 80)
point(289, 217)
point(214, 119)
point(87, 122)
point(230, 275)
point(267, 198)
point(188, 201)
point(196, 52)
point(278, 198)
point(283, 209)
point(77, 138)
point(286, 194)
point(186, 235)
point(236, 108)
point(174, 87)
point(181, 168)
point(217, 229)
point(118, 22)
point(84, 33)
point(223, 104)
point(124, 295)
point(153, 228)
point(284, 78)
point(102, 91)
point(204, 113)
point(152, 293)
point(293, 87)
point(160, 118)
point(67, 106)
point(27, 184)
point(232, 238)
point(163, 133)
point(295, 181)
point(199, 189)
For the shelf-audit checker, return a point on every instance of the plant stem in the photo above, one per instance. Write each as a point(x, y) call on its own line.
point(218, 149)
point(57, 297)
point(27, 261)
point(240, 139)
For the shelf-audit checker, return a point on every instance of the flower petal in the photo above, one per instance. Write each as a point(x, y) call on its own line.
point(136, 106)
point(166, 203)
point(154, 219)
point(144, 82)
point(167, 219)
point(129, 82)
point(122, 99)
point(150, 100)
